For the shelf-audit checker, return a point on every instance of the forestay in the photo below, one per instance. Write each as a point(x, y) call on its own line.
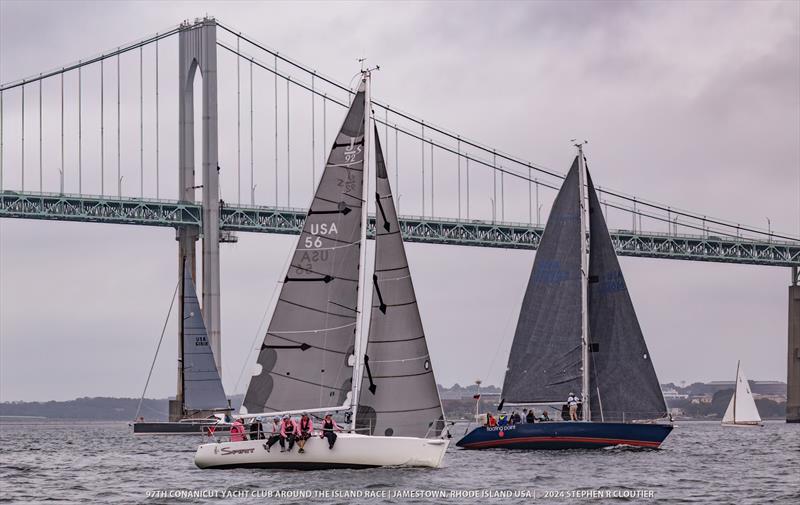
point(306, 358)
point(202, 387)
point(623, 382)
point(545, 360)
point(398, 395)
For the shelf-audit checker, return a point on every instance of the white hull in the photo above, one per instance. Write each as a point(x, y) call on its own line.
point(754, 424)
point(350, 451)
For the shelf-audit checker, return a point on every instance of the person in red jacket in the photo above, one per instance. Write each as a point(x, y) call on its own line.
point(237, 431)
point(306, 426)
point(289, 431)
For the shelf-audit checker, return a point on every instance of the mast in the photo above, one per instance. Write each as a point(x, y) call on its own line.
point(362, 262)
point(586, 414)
point(181, 397)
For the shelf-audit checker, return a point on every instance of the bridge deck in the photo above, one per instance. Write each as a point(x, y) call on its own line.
point(415, 229)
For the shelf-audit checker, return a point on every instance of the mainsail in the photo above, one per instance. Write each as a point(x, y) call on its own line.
point(623, 382)
point(742, 408)
point(398, 395)
point(545, 360)
point(202, 387)
point(307, 355)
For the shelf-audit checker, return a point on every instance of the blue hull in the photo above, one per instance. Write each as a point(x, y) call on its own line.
point(565, 435)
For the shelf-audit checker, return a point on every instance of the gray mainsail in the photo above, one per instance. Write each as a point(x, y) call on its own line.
point(545, 360)
point(306, 358)
point(623, 382)
point(398, 394)
point(202, 387)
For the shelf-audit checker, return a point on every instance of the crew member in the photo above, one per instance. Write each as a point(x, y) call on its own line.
point(274, 434)
point(237, 431)
point(256, 429)
point(490, 420)
point(572, 402)
point(329, 426)
point(306, 427)
point(530, 417)
point(289, 431)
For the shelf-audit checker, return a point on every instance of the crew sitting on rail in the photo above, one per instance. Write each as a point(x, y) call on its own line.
point(289, 430)
point(490, 420)
point(515, 418)
point(274, 434)
point(530, 417)
point(256, 429)
point(306, 427)
point(544, 417)
point(328, 428)
point(237, 431)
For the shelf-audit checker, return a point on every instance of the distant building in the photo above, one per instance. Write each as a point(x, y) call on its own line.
point(673, 394)
point(702, 399)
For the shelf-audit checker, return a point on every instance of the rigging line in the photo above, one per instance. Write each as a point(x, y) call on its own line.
point(160, 339)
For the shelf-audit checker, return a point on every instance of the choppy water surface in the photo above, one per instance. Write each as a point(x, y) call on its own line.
point(698, 463)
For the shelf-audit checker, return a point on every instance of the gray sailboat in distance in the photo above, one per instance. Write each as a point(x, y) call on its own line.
point(201, 397)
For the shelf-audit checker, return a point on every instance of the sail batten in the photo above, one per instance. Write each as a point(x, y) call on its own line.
point(320, 290)
point(623, 381)
point(545, 360)
point(398, 395)
point(202, 387)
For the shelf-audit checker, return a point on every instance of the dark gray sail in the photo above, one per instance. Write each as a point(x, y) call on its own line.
point(545, 360)
point(202, 387)
point(398, 394)
point(306, 357)
point(623, 382)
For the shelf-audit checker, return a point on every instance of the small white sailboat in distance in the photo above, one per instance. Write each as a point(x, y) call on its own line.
point(742, 410)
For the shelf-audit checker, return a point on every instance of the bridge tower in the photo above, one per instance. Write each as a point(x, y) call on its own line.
point(198, 50)
point(793, 365)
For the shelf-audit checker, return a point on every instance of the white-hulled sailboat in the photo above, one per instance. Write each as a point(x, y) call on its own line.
point(742, 410)
point(312, 358)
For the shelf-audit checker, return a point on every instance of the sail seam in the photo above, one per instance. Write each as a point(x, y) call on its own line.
point(316, 309)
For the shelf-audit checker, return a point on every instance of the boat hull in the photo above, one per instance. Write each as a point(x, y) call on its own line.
point(179, 428)
point(754, 424)
point(350, 451)
point(565, 435)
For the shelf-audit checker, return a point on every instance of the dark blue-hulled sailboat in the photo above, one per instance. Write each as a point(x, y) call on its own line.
point(578, 333)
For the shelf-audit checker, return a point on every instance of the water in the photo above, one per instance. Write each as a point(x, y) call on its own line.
point(699, 463)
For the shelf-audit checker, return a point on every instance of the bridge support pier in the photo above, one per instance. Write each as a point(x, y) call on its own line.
point(793, 365)
point(198, 49)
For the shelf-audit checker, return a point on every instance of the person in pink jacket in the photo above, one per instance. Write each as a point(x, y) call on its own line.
point(237, 431)
point(306, 426)
point(289, 431)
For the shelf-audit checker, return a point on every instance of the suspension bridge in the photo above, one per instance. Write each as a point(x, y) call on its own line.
point(71, 137)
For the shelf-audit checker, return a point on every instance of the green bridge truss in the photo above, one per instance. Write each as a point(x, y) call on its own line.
point(174, 214)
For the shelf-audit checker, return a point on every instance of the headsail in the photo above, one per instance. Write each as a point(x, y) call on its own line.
point(202, 387)
point(742, 409)
point(623, 382)
point(398, 395)
point(307, 356)
point(545, 360)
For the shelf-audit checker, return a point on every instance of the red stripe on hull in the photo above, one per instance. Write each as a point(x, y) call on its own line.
point(591, 440)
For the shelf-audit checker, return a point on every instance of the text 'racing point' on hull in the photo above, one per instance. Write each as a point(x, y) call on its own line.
point(351, 451)
point(566, 435)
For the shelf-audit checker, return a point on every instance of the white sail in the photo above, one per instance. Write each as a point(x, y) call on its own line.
point(742, 408)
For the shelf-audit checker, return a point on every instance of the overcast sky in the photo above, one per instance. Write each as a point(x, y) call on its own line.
point(694, 104)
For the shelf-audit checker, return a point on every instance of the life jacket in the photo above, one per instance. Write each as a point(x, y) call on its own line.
point(289, 428)
point(305, 424)
point(326, 425)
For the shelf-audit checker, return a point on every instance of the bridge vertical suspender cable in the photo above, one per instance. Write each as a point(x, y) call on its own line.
point(238, 127)
point(458, 157)
point(313, 141)
point(22, 165)
point(40, 139)
point(157, 133)
point(119, 138)
point(433, 199)
point(1, 141)
point(396, 169)
point(288, 151)
point(422, 142)
point(80, 131)
point(63, 168)
point(141, 122)
point(102, 129)
point(252, 181)
point(275, 103)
